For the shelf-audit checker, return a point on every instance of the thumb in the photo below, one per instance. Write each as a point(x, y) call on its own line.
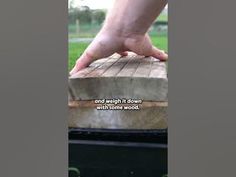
point(159, 54)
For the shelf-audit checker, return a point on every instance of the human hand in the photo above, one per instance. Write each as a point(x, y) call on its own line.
point(124, 30)
point(108, 42)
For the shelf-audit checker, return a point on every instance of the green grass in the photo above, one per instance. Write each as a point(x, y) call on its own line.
point(162, 17)
point(160, 42)
point(76, 49)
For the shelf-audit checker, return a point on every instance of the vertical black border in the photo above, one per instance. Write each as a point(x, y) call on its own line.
point(33, 72)
point(202, 86)
point(33, 89)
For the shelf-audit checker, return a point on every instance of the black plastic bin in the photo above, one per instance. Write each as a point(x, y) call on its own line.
point(117, 153)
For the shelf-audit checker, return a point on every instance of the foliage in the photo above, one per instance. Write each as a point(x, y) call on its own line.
point(85, 15)
point(99, 16)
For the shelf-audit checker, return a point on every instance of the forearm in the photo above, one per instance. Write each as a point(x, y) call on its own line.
point(133, 16)
point(125, 30)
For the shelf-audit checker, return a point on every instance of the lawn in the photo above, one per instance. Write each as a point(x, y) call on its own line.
point(76, 49)
point(162, 17)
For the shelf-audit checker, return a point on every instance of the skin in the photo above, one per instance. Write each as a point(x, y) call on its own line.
point(125, 29)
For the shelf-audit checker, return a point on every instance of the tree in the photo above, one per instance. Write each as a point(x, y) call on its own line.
point(84, 14)
point(99, 16)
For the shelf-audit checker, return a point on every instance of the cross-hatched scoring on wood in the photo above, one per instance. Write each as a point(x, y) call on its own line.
point(130, 66)
point(135, 77)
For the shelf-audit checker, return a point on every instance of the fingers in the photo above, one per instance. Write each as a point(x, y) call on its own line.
point(102, 46)
point(159, 54)
point(82, 62)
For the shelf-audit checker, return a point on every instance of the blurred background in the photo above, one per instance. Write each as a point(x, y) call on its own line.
point(86, 18)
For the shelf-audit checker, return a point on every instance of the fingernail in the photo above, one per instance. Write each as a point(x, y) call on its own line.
point(71, 72)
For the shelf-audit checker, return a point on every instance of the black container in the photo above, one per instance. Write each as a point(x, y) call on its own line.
point(117, 153)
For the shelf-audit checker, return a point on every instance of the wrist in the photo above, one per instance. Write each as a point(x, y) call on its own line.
point(121, 29)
